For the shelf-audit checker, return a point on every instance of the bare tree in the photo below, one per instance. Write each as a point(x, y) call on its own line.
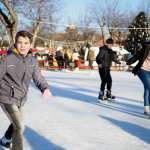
point(108, 13)
point(44, 12)
point(87, 32)
point(10, 9)
point(8, 15)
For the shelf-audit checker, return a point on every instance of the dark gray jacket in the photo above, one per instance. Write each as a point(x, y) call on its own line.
point(105, 56)
point(16, 73)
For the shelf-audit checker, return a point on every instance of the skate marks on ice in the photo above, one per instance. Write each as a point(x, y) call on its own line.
point(118, 106)
point(37, 141)
point(135, 130)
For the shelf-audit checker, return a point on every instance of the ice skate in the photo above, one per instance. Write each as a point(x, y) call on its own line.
point(146, 110)
point(92, 72)
point(66, 70)
point(102, 98)
point(6, 142)
point(109, 96)
point(76, 69)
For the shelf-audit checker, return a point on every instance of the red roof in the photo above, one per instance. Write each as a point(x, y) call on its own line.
point(49, 49)
point(100, 43)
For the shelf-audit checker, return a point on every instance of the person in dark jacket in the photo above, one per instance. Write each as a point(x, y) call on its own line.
point(104, 59)
point(17, 69)
point(59, 57)
point(66, 60)
point(50, 58)
point(142, 69)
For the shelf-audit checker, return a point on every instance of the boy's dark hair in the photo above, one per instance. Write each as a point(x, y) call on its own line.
point(110, 41)
point(24, 34)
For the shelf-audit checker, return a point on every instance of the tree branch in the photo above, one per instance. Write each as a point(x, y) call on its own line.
point(9, 7)
point(4, 19)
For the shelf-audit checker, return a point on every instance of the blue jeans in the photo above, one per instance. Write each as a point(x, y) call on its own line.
point(144, 76)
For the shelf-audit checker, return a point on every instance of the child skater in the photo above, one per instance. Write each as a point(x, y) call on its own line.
point(17, 69)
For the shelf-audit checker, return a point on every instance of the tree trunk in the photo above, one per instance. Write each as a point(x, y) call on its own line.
point(2, 41)
point(10, 25)
point(103, 34)
point(36, 31)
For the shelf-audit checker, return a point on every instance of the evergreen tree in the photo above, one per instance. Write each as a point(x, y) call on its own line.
point(137, 36)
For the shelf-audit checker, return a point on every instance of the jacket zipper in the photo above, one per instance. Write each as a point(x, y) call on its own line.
point(22, 80)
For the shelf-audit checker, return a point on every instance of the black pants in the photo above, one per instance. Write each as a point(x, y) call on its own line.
point(16, 128)
point(91, 64)
point(76, 63)
point(105, 78)
point(58, 63)
point(66, 64)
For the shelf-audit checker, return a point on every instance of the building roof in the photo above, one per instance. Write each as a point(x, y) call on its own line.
point(100, 43)
point(49, 49)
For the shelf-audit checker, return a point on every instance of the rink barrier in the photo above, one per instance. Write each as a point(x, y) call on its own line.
point(42, 64)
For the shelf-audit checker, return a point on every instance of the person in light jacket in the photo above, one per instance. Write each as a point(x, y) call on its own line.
point(17, 69)
point(75, 58)
point(91, 58)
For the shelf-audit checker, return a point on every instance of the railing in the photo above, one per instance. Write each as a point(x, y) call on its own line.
point(81, 65)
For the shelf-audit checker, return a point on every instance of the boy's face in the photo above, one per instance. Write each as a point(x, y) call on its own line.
point(23, 45)
point(109, 45)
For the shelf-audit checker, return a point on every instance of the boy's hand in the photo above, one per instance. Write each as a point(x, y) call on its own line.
point(46, 94)
point(100, 65)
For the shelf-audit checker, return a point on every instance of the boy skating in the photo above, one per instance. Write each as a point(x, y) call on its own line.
point(17, 69)
point(104, 59)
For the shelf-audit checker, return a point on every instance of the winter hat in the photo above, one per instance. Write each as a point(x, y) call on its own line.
point(110, 41)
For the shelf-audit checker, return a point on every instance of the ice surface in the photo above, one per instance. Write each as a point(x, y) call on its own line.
point(73, 119)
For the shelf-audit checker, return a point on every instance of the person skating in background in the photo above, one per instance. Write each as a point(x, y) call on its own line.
point(75, 57)
point(91, 58)
point(46, 63)
point(104, 59)
point(66, 60)
point(17, 69)
point(35, 55)
point(50, 58)
point(59, 57)
point(142, 69)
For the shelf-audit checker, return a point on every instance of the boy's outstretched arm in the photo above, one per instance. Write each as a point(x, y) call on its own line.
point(46, 94)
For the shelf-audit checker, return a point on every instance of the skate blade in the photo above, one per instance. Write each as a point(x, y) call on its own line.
point(109, 99)
point(103, 101)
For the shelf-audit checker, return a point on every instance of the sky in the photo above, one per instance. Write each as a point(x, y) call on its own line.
point(75, 6)
point(73, 9)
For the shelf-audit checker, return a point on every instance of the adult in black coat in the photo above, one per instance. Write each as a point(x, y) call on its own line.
point(59, 57)
point(50, 58)
point(66, 60)
point(104, 59)
point(142, 69)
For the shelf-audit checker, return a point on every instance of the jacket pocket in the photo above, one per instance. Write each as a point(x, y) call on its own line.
point(11, 92)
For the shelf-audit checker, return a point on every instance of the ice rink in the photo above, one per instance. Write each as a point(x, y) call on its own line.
point(73, 119)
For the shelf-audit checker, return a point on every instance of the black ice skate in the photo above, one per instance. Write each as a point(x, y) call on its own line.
point(109, 96)
point(102, 98)
point(6, 142)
